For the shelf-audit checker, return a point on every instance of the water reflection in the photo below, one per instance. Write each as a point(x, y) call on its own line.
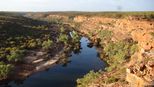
point(77, 62)
point(90, 45)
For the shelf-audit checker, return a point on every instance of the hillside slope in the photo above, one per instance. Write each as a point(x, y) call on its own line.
point(127, 44)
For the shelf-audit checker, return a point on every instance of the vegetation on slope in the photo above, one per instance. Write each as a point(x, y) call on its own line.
point(115, 54)
point(19, 35)
point(88, 78)
point(5, 70)
point(118, 52)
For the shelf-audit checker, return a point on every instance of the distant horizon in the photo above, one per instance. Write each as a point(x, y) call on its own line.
point(72, 5)
point(80, 11)
point(74, 11)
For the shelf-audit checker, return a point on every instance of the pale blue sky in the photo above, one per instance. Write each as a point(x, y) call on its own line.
point(77, 5)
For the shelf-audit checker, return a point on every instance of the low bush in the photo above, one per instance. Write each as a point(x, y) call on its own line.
point(62, 30)
point(118, 52)
point(15, 55)
point(63, 38)
point(88, 78)
point(5, 70)
point(47, 44)
point(75, 37)
point(32, 44)
point(110, 80)
point(105, 34)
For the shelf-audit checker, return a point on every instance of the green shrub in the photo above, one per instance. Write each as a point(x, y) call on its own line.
point(32, 43)
point(47, 44)
point(63, 38)
point(2, 54)
point(39, 43)
point(133, 49)
point(118, 52)
point(90, 34)
point(110, 79)
point(5, 70)
point(88, 78)
point(75, 37)
point(15, 55)
point(62, 30)
point(105, 34)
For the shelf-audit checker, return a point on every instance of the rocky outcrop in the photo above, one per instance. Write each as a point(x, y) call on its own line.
point(140, 69)
point(141, 74)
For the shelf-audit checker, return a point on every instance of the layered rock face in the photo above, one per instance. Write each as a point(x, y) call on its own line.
point(140, 69)
point(141, 73)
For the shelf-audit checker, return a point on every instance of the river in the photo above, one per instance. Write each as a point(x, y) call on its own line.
point(65, 76)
